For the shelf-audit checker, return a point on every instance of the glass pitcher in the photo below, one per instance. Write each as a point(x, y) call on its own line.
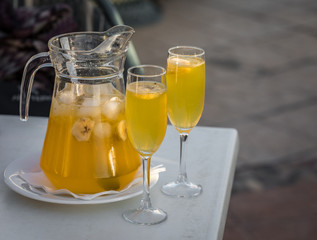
point(86, 149)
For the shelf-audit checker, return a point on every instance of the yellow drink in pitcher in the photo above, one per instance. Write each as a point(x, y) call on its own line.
point(146, 115)
point(86, 148)
point(185, 81)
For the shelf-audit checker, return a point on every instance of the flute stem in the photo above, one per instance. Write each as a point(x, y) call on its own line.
point(182, 175)
point(146, 200)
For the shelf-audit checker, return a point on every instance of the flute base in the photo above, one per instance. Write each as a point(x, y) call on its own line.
point(147, 216)
point(181, 189)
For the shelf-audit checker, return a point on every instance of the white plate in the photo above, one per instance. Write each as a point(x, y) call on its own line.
point(31, 163)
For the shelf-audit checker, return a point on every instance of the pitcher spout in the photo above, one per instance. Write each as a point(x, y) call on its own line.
point(116, 40)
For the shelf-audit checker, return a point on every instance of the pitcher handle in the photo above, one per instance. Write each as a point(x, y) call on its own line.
point(35, 63)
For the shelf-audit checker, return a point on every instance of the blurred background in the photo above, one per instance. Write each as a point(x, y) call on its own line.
point(261, 71)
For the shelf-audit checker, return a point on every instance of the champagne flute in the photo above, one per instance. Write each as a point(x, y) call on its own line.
point(146, 116)
point(185, 80)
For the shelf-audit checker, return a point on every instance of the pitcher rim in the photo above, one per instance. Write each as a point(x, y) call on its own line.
point(52, 47)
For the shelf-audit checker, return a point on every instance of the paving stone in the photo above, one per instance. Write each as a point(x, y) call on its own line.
point(274, 202)
point(301, 78)
point(260, 177)
point(296, 14)
point(247, 29)
point(281, 213)
point(255, 55)
point(301, 122)
point(263, 144)
point(300, 228)
point(233, 229)
point(231, 98)
point(244, 6)
point(295, 46)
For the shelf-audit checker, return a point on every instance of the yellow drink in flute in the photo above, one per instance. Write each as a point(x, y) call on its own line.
point(146, 115)
point(86, 148)
point(185, 81)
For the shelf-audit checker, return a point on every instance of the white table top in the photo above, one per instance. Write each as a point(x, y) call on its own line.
point(211, 163)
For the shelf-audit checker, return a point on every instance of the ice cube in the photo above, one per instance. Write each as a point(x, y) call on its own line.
point(60, 109)
point(102, 130)
point(90, 107)
point(91, 102)
point(66, 96)
point(70, 93)
point(150, 88)
point(112, 108)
